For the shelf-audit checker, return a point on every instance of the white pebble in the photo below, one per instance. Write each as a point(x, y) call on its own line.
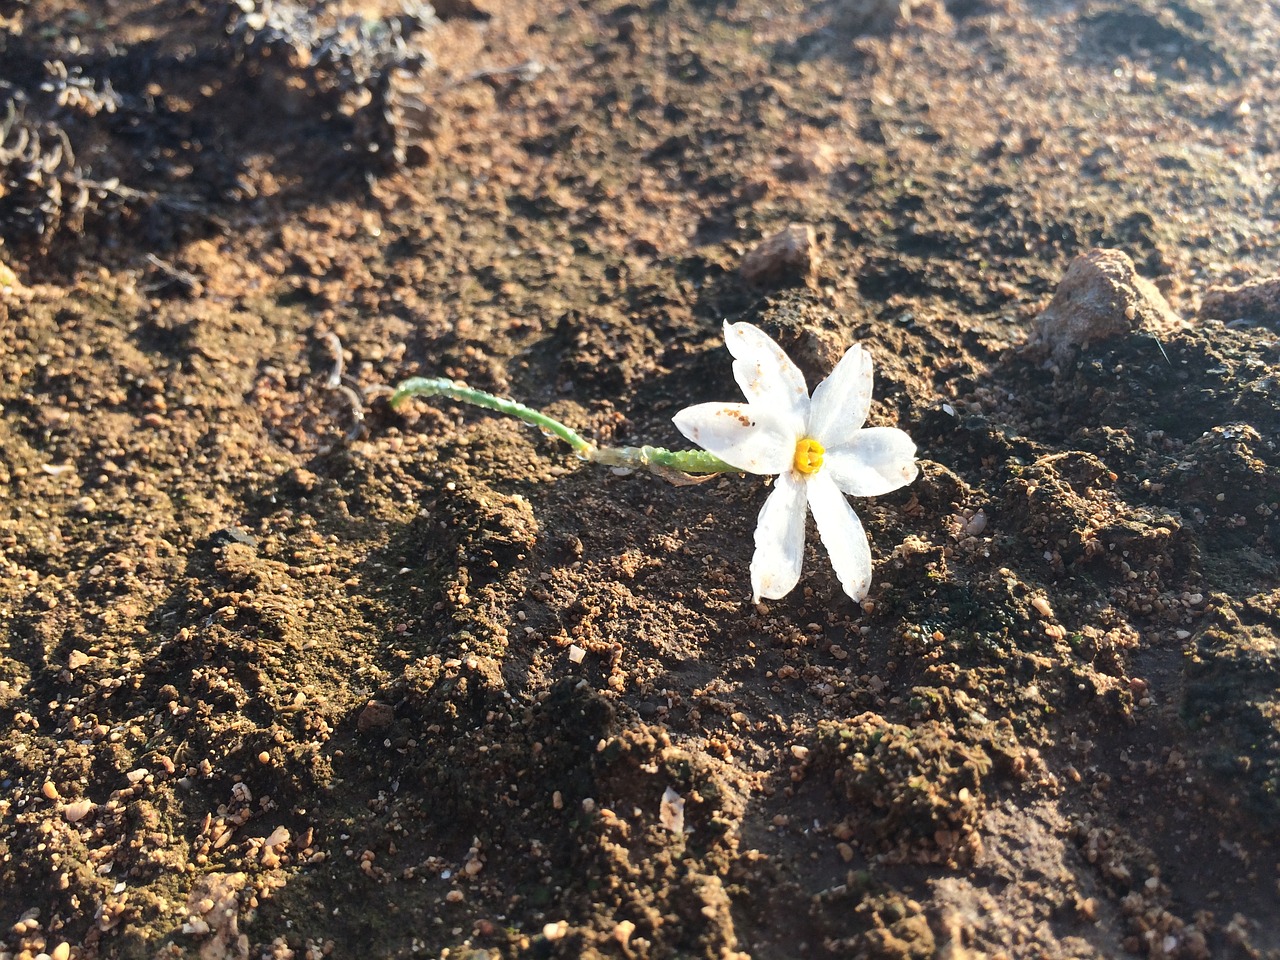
point(77, 810)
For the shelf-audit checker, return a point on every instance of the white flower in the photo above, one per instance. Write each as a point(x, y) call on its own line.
point(817, 447)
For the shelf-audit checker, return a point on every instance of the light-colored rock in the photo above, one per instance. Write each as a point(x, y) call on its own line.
point(8, 279)
point(77, 810)
point(1100, 297)
point(791, 253)
point(671, 811)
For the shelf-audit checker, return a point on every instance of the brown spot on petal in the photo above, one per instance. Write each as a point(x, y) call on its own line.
point(738, 415)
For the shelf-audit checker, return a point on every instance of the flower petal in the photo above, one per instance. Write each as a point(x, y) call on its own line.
point(748, 437)
point(840, 402)
point(842, 534)
point(765, 373)
point(875, 461)
point(775, 568)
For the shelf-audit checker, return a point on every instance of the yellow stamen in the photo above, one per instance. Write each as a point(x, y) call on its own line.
point(809, 455)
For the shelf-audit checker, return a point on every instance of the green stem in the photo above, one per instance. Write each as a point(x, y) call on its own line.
point(669, 463)
point(442, 387)
point(681, 461)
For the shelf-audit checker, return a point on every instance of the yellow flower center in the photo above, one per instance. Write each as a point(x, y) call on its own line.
point(809, 455)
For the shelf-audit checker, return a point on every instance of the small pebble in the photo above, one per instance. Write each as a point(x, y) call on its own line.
point(77, 810)
point(623, 931)
point(375, 716)
point(791, 252)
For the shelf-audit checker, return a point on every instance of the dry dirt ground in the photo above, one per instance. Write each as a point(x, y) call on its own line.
point(286, 673)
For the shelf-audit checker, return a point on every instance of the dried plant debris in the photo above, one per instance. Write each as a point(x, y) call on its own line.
point(72, 90)
point(358, 68)
point(77, 126)
point(41, 187)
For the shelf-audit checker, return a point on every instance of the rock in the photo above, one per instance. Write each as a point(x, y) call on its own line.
point(375, 716)
point(671, 812)
point(77, 810)
point(791, 252)
point(8, 279)
point(1100, 297)
point(1255, 302)
point(227, 535)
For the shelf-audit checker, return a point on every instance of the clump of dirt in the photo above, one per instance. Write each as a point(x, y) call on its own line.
point(1254, 302)
point(915, 793)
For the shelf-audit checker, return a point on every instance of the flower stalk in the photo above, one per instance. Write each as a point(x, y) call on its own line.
point(676, 465)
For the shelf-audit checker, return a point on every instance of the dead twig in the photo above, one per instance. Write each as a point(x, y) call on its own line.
point(350, 394)
point(188, 282)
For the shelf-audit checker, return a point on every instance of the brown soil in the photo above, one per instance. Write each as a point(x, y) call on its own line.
point(273, 685)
